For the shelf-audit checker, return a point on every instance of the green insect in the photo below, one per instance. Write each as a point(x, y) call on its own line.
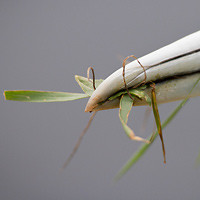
point(169, 74)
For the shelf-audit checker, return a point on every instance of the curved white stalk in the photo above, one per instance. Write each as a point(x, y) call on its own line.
point(179, 58)
point(166, 91)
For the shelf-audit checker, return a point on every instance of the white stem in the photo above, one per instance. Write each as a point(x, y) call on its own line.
point(167, 91)
point(180, 57)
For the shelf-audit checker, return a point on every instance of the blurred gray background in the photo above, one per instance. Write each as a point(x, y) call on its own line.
point(43, 44)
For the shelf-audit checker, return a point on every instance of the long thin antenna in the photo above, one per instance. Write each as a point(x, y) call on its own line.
point(93, 76)
point(78, 142)
point(123, 74)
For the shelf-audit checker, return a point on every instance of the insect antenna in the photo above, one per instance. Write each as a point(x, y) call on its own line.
point(123, 74)
point(78, 142)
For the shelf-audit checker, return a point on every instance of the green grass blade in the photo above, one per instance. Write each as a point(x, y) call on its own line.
point(157, 119)
point(144, 147)
point(41, 96)
point(118, 94)
point(134, 92)
point(141, 94)
point(197, 162)
point(87, 86)
point(126, 104)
